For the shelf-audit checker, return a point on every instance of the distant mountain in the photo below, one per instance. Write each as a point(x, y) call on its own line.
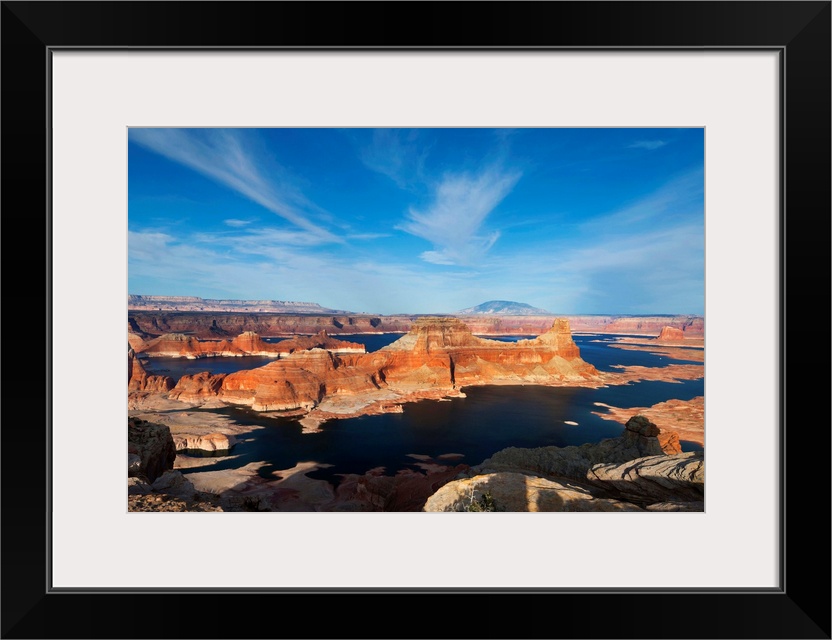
point(504, 308)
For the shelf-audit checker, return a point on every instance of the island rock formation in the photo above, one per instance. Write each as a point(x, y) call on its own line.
point(248, 343)
point(439, 355)
point(628, 473)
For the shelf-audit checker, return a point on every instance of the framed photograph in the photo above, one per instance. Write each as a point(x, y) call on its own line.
point(494, 209)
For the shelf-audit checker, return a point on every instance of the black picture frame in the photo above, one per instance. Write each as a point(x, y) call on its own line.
point(800, 608)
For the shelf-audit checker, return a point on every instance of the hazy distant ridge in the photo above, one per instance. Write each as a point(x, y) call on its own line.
point(192, 303)
point(504, 308)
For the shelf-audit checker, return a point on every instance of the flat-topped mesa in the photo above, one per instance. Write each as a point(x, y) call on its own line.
point(671, 334)
point(437, 334)
point(248, 343)
point(436, 358)
point(559, 337)
point(444, 351)
point(179, 345)
point(298, 381)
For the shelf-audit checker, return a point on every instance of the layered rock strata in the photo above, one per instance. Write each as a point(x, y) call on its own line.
point(678, 477)
point(438, 356)
point(519, 492)
point(638, 440)
point(208, 325)
point(677, 420)
point(248, 343)
point(671, 334)
point(628, 473)
point(150, 449)
point(138, 379)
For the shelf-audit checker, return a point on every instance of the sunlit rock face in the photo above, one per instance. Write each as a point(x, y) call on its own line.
point(437, 356)
point(321, 340)
point(197, 387)
point(248, 343)
point(208, 442)
point(444, 351)
point(655, 478)
point(298, 381)
point(139, 380)
point(671, 334)
point(518, 492)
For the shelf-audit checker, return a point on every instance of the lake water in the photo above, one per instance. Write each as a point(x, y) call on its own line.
point(490, 418)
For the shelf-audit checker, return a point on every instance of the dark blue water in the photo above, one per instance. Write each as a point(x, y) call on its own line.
point(371, 341)
point(178, 367)
point(490, 418)
point(597, 350)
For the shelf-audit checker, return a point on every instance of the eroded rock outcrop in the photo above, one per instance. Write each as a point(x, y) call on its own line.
point(153, 445)
point(638, 440)
point(678, 420)
point(298, 381)
point(439, 355)
point(208, 442)
point(519, 492)
point(628, 473)
point(671, 334)
point(179, 345)
point(443, 351)
point(197, 387)
point(320, 340)
point(248, 343)
point(680, 477)
point(139, 380)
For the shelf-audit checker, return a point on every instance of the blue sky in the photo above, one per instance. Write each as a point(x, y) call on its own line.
point(421, 220)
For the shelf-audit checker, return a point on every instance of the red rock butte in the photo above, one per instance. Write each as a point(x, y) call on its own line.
point(248, 343)
point(671, 334)
point(438, 355)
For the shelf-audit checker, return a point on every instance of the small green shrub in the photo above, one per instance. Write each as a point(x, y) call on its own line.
point(484, 503)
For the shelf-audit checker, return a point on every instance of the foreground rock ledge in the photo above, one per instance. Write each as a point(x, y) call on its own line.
point(518, 492)
point(628, 473)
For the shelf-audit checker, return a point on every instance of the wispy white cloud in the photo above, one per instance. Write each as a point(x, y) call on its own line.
point(233, 222)
point(255, 270)
point(398, 154)
point(221, 155)
point(452, 223)
point(260, 240)
point(367, 236)
point(650, 145)
point(681, 196)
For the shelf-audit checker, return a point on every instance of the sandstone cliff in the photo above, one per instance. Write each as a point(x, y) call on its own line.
point(628, 473)
point(150, 449)
point(211, 325)
point(139, 380)
point(298, 381)
point(248, 343)
point(438, 355)
point(321, 340)
point(671, 334)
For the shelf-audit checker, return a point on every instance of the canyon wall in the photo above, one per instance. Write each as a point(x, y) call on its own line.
point(437, 356)
point(248, 343)
point(214, 325)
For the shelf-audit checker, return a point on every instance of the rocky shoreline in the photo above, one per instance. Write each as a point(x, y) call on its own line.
point(437, 359)
point(627, 473)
